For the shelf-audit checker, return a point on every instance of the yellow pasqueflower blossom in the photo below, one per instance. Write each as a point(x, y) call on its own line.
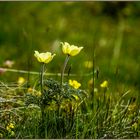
point(104, 84)
point(71, 50)
point(20, 81)
point(44, 57)
point(74, 84)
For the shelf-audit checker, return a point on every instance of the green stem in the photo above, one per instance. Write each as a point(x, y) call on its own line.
point(42, 105)
point(41, 77)
point(64, 67)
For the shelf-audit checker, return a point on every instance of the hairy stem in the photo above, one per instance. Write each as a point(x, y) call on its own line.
point(42, 105)
point(63, 70)
point(41, 77)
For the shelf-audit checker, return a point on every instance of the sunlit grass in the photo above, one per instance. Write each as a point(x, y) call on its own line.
point(56, 109)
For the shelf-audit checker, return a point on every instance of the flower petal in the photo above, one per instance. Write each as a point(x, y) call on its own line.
point(71, 50)
point(44, 57)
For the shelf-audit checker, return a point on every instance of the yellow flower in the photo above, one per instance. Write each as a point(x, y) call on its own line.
point(74, 84)
point(88, 64)
point(71, 50)
point(9, 126)
point(33, 92)
point(30, 89)
point(21, 80)
point(104, 84)
point(44, 57)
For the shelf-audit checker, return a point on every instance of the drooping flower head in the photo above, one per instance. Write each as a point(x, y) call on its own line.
point(71, 50)
point(44, 57)
point(74, 84)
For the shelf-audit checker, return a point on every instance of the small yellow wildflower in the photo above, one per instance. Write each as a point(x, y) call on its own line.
point(20, 81)
point(74, 84)
point(9, 126)
point(104, 84)
point(34, 92)
point(44, 57)
point(30, 89)
point(88, 64)
point(71, 50)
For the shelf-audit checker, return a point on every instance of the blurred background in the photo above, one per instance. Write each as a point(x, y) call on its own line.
point(108, 31)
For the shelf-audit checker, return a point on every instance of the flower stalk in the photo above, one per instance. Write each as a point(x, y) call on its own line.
point(41, 76)
point(42, 135)
point(64, 67)
point(69, 50)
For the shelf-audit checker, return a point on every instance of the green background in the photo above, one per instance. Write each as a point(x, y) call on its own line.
point(109, 29)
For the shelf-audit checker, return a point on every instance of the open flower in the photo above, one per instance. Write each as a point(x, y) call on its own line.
point(74, 84)
point(71, 50)
point(10, 126)
point(21, 81)
point(44, 57)
point(104, 84)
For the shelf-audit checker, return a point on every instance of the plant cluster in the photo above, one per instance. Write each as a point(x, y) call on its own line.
point(62, 109)
point(61, 98)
